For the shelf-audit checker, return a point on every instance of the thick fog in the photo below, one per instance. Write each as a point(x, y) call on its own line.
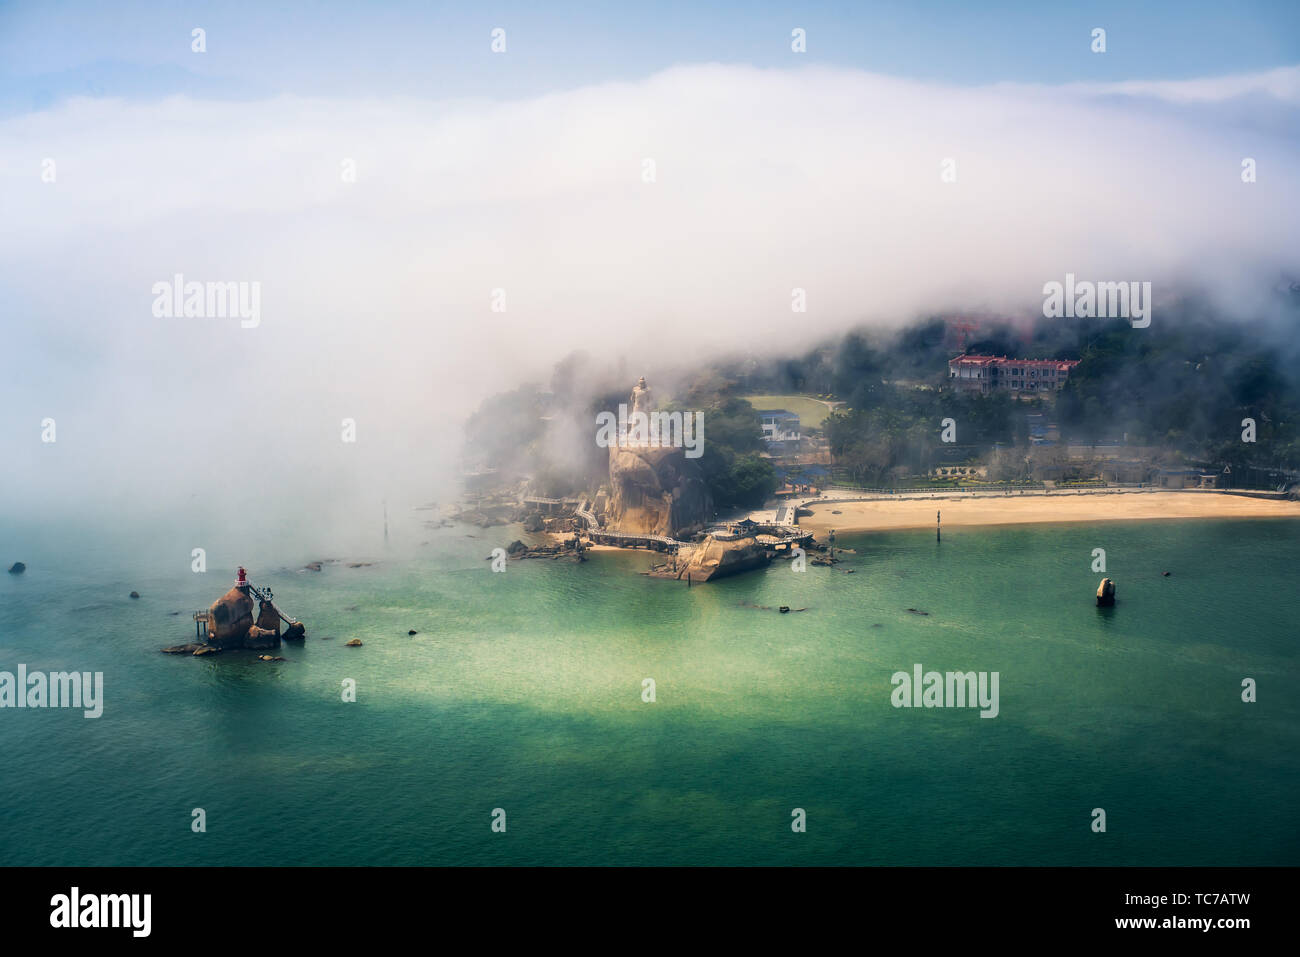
point(642, 222)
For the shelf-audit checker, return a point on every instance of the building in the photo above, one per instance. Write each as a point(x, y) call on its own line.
point(779, 425)
point(986, 374)
point(1186, 478)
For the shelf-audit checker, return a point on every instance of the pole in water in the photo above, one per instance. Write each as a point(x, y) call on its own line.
point(938, 532)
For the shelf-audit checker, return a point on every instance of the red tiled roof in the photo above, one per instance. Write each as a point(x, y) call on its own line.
point(981, 361)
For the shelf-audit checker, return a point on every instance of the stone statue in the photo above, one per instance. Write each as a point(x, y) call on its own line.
point(642, 399)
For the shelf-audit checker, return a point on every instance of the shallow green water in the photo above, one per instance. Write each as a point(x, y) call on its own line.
point(522, 691)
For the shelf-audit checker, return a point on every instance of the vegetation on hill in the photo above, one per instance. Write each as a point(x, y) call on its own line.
point(1175, 392)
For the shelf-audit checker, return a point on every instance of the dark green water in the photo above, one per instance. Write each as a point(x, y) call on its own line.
point(522, 691)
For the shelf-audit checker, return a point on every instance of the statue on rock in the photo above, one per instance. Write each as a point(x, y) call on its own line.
point(654, 489)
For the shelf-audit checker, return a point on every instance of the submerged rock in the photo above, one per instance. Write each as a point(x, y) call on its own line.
point(187, 649)
point(412, 632)
point(17, 568)
point(354, 643)
point(135, 594)
point(206, 650)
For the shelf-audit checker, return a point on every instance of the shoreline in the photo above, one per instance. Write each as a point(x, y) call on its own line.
point(892, 514)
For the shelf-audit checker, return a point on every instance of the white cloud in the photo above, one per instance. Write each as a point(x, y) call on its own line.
point(376, 294)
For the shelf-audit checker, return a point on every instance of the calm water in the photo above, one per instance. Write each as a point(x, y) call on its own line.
point(523, 691)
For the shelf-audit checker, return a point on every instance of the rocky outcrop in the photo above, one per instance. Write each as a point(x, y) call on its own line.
point(1106, 593)
point(17, 568)
point(231, 616)
point(268, 617)
point(655, 491)
point(261, 638)
point(354, 643)
point(295, 631)
point(716, 558)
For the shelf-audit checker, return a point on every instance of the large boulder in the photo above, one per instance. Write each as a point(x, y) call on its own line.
point(715, 558)
point(268, 617)
point(655, 491)
point(231, 616)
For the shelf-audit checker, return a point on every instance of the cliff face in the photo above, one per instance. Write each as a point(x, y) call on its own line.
point(715, 559)
point(655, 491)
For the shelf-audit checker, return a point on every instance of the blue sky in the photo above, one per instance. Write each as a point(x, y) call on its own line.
point(52, 50)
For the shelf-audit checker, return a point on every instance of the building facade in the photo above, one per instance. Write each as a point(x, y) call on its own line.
point(998, 373)
point(779, 425)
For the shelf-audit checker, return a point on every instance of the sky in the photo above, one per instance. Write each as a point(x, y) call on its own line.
point(438, 50)
point(646, 182)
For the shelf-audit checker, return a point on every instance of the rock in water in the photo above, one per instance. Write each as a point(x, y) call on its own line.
point(189, 649)
point(17, 568)
point(1106, 593)
point(412, 632)
point(135, 594)
point(294, 631)
point(232, 616)
point(713, 558)
point(261, 638)
point(206, 650)
point(354, 643)
point(268, 617)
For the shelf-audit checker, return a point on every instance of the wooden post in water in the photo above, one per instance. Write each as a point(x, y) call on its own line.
point(938, 533)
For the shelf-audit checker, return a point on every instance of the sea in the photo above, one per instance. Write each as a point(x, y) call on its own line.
point(565, 713)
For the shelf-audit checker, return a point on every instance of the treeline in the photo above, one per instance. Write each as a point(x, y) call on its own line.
point(1183, 385)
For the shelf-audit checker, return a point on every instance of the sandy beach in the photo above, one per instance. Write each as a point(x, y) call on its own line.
point(1029, 509)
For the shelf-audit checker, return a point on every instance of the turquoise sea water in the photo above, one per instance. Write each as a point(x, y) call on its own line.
point(522, 691)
